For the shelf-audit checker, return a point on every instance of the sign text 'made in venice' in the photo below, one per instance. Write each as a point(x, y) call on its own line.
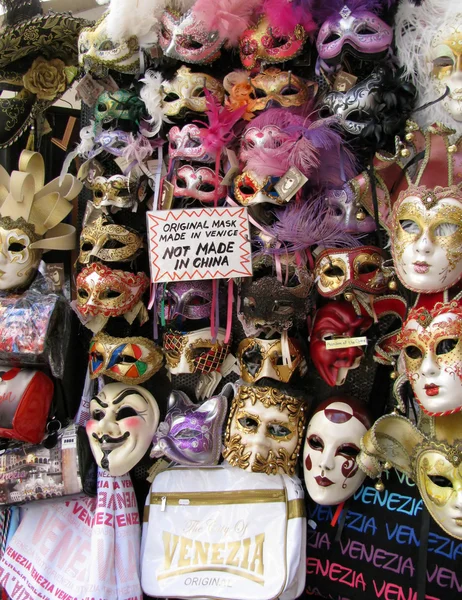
point(199, 243)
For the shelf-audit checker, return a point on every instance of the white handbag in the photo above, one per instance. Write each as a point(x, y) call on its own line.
point(222, 532)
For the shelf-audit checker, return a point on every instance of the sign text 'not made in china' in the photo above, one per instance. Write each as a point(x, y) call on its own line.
point(199, 243)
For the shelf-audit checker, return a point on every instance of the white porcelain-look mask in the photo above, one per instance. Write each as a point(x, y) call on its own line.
point(18, 261)
point(264, 430)
point(332, 444)
point(123, 420)
point(426, 239)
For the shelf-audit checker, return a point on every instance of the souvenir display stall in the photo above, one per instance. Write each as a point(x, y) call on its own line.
point(264, 207)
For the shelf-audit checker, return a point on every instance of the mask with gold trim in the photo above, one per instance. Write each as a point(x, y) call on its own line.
point(108, 242)
point(249, 189)
point(123, 420)
point(119, 191)
point(107, 292)
point(130, 360)
point(121, 104)
point(434, 464)
point(264, 432)
point(186, 144)
point(259, 358)
point(431, 341)
point(187, 299)
point(360, 268)
point(198, 183)
point(333, 439)
point(97, 51)
point(184, 94)
point(194, 352)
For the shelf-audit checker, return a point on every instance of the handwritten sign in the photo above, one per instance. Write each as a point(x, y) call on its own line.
point(199, 243)
point(346, 342)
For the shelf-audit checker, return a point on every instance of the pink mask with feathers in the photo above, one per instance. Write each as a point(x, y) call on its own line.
point(186, 144)
point(199, 184)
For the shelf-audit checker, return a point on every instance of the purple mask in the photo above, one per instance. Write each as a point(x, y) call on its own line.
point(188, 299)
point(191, 433)
point(347, 214)
point(114, 142)
point(364, 32)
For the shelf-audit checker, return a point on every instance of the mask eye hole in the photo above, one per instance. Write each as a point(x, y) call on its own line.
point(410, 226)
point(113, 245)
point(440, 481)
point(173, 145)
point(181, 183)
point(277, 430)
point(198, 93)
point(332, 37)
point(315, 443)
point(98, 193)
point(337, 210)
point(367, 267)
point(171, 97)
point(87, 246)
point(83, 48)
point(82, 293)
point(325, 112)
point(334, 271)
point(365, 30)
point(16, 247)
point(246, 190)
point(446, 229)
point(101, 107)
point(283, 307)
point(413, 352)
point(445, 346)
point(97, 415)
point(359, 116)
point(191, 44)
point(277, 42)
point(110, 294)
point(259, 93)
point(125, 359)
point(186, 434)
point(198, 301)
point(206, 187)
point(125, 412)
point(106, 46)
point(252, 358)
point(165, 33)
point(248, 423)
point(348, 450)
point(289, 91)
point(96, 356)
point(192, 142)
point(443, 61)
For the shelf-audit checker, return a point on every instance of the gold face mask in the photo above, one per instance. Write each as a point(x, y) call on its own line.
point(426, 238)
point(109, 242)
point(260, 358)
point(446, 58)
point(264, 431)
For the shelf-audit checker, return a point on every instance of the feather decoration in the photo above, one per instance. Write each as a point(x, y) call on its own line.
point(287, 14)
point(322, 10)
point(219, 132)
point(150, 94)
point(138, 149)
point(229, 17)
point(310, 223)
point(20, 10)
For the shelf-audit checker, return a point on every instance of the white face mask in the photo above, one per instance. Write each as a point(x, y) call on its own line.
point(18, 262)
point(123, 420)
point(427, 243)
point(329, 456)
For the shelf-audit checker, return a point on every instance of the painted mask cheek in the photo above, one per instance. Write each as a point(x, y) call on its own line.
point(133, 422)
point(308, 463)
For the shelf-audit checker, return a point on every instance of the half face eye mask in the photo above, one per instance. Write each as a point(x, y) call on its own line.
point(189, 299)
point(131, 360)
point(184, 94)
point(347, 213)
point(119, 191)
point(194, 352)
point(197, 183)
point(185, 38)
point(260, 137)
point(265, 44)
point(121, 104)
point(108, 242)
point(186, 144)
point(250, 190)
point(340, 270)
point(363, 33)
point(259, 358)
point(107, 292)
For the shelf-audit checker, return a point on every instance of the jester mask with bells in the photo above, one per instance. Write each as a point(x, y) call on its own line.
point(30, 218)
point(432, 349)
point(429, 47)
point(264, 432)
point(123, 420)
point(434, 465)
point(332, 444)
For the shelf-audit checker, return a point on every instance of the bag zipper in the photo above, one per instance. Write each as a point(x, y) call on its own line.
point(218, 498)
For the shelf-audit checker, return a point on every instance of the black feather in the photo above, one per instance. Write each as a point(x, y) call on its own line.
point(20, 10)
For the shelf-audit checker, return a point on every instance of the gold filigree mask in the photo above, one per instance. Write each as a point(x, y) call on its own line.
point(264, 431)
point(194, 352)
point(426, 238)
point(446, 60)
point(260, 358)
point(109, 242)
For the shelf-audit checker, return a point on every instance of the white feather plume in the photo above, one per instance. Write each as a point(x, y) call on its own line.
point(415, 30)
point(150, 94)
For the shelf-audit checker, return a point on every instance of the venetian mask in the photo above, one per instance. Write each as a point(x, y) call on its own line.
point(18, 260)
point(187, 299)
point(360, 268)
point(123, 420)
point(191, 433)
point(97, 50)
point(426, 238)
point(108, 242)
point(107, 292)
point(432, 350)
point(332, 443)
point(194, 352)
point(347, 214)
point(186, 144)
point(336, 320)
point(268, 136)
point(362, 33)
point(130, 360)
point(198, 183)
point(264, 432)
point(184, 94)
point(265, 44)
point(185, 38)
point(249, 189)
point(267, 304)
point(121, 104)
point(119, 191)
point(446, 62)
point(259, 358)
point(113, 141)
point(354, 108)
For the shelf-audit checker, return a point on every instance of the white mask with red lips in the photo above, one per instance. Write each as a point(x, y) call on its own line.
point(331, 446)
